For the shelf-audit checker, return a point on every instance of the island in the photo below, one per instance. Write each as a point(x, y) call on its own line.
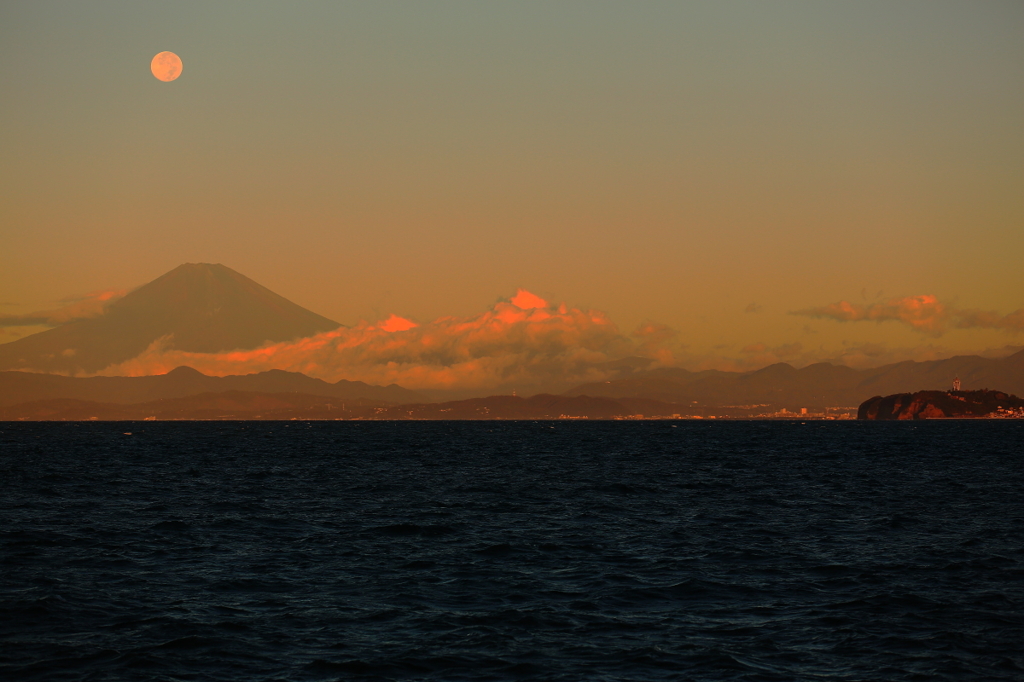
point(984, 404)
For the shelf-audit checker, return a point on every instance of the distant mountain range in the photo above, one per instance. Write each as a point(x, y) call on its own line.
point(204, 308)
point(815, 386)
point(225, 405)
point(187, 394)
point(233, 404)
point(661, 391)
point(197, 307)
point(23, 387)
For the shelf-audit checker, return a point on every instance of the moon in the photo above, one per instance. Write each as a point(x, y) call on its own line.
point(166, 66)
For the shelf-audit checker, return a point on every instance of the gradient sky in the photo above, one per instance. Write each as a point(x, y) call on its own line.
point(710, 166)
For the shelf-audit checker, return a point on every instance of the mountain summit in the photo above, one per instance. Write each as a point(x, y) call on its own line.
point(198, 307)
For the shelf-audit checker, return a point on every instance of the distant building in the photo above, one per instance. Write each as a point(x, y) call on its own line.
point(956, 384)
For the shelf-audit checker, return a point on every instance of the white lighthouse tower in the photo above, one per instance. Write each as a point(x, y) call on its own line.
point(956, 384)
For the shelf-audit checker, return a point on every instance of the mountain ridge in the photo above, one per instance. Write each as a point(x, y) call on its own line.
point(249, 405)
point(817, 385)
point(196, 307)
point(22, 387)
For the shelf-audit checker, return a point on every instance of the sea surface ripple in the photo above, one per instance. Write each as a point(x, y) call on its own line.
point(512, 550)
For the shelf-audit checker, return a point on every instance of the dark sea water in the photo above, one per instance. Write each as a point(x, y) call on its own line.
point(504, 550)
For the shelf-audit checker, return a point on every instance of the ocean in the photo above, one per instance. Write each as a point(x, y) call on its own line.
point(568, 550)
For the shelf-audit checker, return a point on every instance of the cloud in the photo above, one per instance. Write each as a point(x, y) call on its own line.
point(761, 355)
point(397, 324)
point(526, 343)
point(91, 305)
point(30, 320)
point(785, 350)
point(924, 313)
point(525, 300)
point(523, 342)
point(753, 308)
point(981, 319)
point(652, 337)
point(865, 355)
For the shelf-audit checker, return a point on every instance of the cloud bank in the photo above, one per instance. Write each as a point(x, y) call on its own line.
point(91, 305)
point(522, 343)
point(923, 313)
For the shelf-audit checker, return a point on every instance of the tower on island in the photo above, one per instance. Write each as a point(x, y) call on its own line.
point(956, 384)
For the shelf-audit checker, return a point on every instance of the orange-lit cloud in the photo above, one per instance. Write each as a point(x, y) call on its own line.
point(397, 324)
point(924, 313)
point(90, 305)
point(528, 344)
point(982, 319)
point(522, 343)
point(525, 300)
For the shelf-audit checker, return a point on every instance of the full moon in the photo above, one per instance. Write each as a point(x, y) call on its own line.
point(166, 66)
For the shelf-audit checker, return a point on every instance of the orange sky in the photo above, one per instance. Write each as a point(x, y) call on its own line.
point(710, 167)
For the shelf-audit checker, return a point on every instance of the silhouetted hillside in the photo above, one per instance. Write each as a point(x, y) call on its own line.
point(198, 307)
point(942, 405)
point(230, 405)
point(257, 405)
point(817, 385)
point(22, 387)
point(543, 406)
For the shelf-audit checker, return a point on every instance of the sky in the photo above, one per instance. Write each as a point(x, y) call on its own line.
point(796, 181)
